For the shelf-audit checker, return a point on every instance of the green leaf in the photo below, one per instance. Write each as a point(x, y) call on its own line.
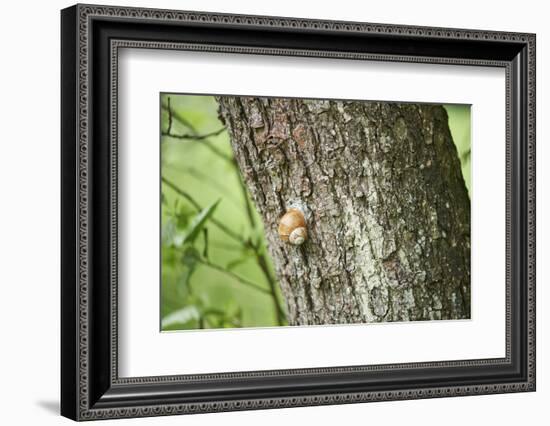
point(189, 261)
point(181, 316)
point(182, 282)
point(183, 215)
point(198, 223)
point(168, 232)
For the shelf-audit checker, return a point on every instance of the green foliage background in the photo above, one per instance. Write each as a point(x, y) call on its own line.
point(215, 266)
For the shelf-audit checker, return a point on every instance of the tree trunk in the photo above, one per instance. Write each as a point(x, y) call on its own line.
point(387, 209)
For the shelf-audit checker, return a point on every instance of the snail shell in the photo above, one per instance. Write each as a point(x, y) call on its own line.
point(292, 227)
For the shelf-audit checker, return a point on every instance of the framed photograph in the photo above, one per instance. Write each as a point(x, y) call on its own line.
point(263, 212)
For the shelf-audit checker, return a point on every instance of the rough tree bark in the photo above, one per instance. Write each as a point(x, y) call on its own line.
point(387, 208)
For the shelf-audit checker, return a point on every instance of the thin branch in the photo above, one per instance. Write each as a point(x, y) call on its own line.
point(234, 276)
point(465, 155)
point(202, 177)
point(262, 262)
point(182, 120)
point(182, 193)
point(205, 250)
point(216, 151)
point(198, 207)
point(192, 136)
point(260, 258)
point(169, 117)
point(225, 246)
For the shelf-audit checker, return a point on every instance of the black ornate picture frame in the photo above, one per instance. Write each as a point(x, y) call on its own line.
point(90, 385)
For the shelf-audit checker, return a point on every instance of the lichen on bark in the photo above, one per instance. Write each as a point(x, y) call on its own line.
point(382, 190)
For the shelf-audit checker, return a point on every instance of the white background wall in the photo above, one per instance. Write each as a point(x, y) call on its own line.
point(29, 213)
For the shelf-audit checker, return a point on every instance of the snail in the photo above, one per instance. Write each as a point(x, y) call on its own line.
point(292, 227)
